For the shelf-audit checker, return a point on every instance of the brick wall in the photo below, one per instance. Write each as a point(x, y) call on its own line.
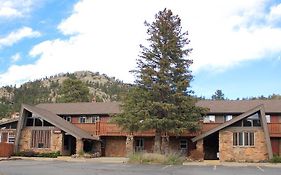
point(255, 153)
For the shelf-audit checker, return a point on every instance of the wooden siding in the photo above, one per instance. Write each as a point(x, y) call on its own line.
point(6, 149)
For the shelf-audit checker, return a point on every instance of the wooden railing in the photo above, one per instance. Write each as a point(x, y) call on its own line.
point(104, 128)
point(274, 129)
point(208, 126)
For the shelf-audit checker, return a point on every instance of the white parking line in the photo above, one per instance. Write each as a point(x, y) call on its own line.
point(260, 168)
point(215, 167)
point(166, 167)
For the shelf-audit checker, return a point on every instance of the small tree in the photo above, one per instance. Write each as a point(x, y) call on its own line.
point(73, 90)
point(161, 99)
point(218, 95)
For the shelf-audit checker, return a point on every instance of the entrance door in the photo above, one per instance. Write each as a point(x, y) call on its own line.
point(211, 147)
point(275, 145)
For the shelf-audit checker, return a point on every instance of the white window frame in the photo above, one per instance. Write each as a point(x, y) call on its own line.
point(238, 144)
point(84, 119)
point(267, 117)
point(11, 136)
point(68, 118)
point(228, 117)
point(209, 119)
point(0, 137)
point(95, 119)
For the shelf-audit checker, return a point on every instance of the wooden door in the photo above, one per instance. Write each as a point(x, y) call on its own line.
point(275, 146)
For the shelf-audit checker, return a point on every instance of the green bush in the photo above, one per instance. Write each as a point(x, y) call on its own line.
point(153, 158)
point(275, 159)
point(31, 153)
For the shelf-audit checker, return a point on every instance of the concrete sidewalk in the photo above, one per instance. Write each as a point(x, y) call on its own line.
point(122, 160)
point(231, 164)
point(70, 159)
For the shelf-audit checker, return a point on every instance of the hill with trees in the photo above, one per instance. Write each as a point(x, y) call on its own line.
point(95, 87)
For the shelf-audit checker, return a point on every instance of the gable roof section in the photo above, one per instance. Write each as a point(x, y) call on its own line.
point(60, 123)
point(238, 118)
point(8, 121)
point(81, 108)
point(239, 106)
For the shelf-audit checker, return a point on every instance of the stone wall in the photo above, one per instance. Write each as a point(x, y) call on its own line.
point(255, 153)
point(25, 142)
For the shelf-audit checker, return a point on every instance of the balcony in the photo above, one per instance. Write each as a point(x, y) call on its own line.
point(274, 129)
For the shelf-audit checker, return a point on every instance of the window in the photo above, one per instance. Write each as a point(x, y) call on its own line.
point(267, 117)
point(95, 119)
point(11, 138)
point(243, 139)
point(227, 118)
point(67, 118)
point(251, 121)
point(183, 144)
point(82, 119)
point(40, 139)
point(0, 137)
point(209, 119)
point(139, 144)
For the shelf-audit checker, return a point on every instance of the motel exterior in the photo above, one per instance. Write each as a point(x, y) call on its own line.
point(232, 130)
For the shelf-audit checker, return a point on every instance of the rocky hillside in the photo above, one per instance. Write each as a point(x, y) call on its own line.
point(101, 87)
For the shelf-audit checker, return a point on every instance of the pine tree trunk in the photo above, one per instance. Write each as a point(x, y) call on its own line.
point(157, 142)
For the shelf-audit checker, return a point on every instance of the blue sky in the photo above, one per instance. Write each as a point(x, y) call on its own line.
point(236, 43)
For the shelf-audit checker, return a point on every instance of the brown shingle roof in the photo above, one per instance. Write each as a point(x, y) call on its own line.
point(82, 108)
point(60, 123)
point(239, 106)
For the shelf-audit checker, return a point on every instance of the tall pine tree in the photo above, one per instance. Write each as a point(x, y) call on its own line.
point(161, 99)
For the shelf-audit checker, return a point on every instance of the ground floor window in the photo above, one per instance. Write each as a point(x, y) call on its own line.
point(183, 144)
point(11, 138)
point(139, 146)
point(243, 139)
point(40, 139)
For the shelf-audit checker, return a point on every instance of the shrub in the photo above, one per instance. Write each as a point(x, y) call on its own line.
point(153, 158)
point(31, 153)
point(275, 159)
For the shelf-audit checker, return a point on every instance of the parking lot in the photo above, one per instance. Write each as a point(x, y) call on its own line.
point(31, 167)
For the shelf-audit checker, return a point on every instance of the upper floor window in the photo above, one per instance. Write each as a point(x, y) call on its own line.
point(82, 119)
point(227, 118)
point(251, 121)
point(95, 119)
point(209, 119)
point(67, 118)
point(267, 117)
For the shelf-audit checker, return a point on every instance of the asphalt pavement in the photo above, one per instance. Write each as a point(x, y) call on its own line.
point(60, 167)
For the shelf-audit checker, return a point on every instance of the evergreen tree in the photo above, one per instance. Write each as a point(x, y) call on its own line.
point(161, 99)
point(219, 95)
point(73, 90)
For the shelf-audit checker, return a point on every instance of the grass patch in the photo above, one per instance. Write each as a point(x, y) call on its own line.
point(153, 158)
point(275, 159)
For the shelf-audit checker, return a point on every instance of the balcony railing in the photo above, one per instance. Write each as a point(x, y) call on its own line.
point(274, 129)
point(104, 128)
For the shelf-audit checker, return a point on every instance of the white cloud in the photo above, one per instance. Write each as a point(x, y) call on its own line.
point(16, 36)
point(15, 8)
point(275, 13)
point(106, 38)
point(16, 57)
